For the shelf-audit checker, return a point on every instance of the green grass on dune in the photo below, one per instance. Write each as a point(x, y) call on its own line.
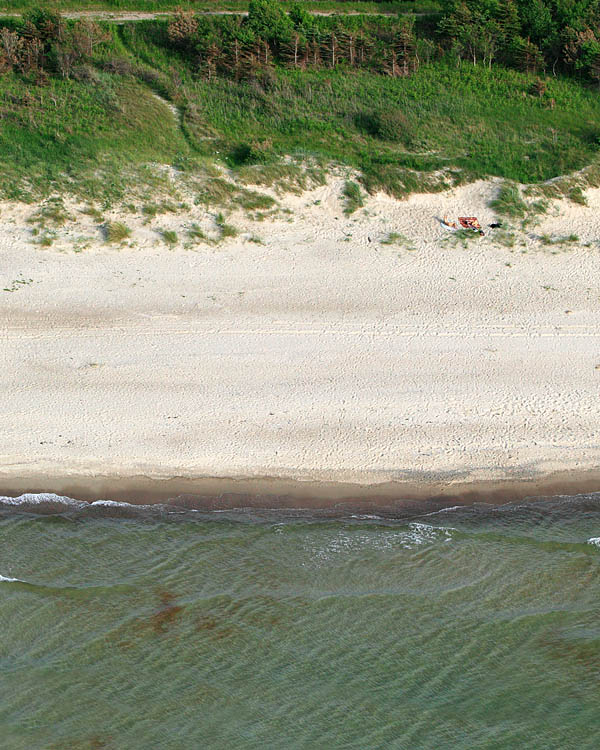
point(443, 125)
point(81, 137)
point(474, 120)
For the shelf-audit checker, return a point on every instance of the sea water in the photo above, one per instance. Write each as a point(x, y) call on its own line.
point(158, 627)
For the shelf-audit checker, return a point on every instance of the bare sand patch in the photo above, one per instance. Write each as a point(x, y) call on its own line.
point(305, 348)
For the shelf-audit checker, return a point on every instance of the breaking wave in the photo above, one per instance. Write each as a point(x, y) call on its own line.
point(420, 524)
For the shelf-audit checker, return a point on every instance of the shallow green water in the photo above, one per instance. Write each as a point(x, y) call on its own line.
point(472, 628)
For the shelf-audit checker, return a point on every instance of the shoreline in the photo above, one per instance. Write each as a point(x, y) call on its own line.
point(221, 493)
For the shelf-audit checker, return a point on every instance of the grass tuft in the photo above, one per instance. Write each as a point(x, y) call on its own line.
point(225, 229)
point(576, 196)
point(396, 238)
point(353, 195)
point(116, 231)
point(195, 233)
point(170, 237)
point(95, 213)
point(47, 239)
point(509, 202)
point(392, 238)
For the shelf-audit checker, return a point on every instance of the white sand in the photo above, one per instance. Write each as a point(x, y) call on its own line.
point(317, 355)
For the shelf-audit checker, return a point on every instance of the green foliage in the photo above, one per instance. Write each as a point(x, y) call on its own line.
point(52, 212)
point(244, 154)
point(47, 239)
point(301, 18)
point(472, 122)
point(390, 125)
point(216, 192)
point(227, 230)
point(569, 239)
point(71, 136)
point(284, 176)
point(253, 201)
point(158, 6)
point(527, 34)
point(353, 196)
point(505, 238)
point(442, 125)
point(396, 238)
point(268, 21)
point(509, 202)
point(462, 237)
point(576, 196)
point(149, 210)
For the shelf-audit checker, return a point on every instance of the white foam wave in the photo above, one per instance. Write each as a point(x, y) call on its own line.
point(8, 579)
point(595, 540)
point(416, 535)
point(113, 504)
point(41, 498)
point(423, 533)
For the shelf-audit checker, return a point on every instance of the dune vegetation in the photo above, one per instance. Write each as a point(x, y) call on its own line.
point(92, 106)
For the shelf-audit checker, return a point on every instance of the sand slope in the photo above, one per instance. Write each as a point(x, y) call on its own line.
point(319, 354)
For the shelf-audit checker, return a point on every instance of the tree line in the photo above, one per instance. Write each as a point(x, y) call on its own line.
point(43, 44)
point(239, 46)
point(532, 35)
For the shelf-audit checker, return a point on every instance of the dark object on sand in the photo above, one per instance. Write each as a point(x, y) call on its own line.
point(495, 225)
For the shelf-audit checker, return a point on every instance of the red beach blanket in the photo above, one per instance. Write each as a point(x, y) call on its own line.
point(469, 222)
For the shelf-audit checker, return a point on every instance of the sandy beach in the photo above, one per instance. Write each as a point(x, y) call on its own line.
point(317, 355)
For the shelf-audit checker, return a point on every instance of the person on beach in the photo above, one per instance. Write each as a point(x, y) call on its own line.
point(450, 224)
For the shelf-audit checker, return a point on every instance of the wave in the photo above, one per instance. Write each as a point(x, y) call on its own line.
point(50, 501)
point(595, 540)
point(114, 504)
point(419, 530)
point(8, 579)
point(423, 533)
point(41, 498)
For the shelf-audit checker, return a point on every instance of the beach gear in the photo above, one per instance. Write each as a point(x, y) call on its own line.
point(470, 222)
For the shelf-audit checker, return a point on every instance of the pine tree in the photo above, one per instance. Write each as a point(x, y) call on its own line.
point(294, 52)
point(527, 55)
